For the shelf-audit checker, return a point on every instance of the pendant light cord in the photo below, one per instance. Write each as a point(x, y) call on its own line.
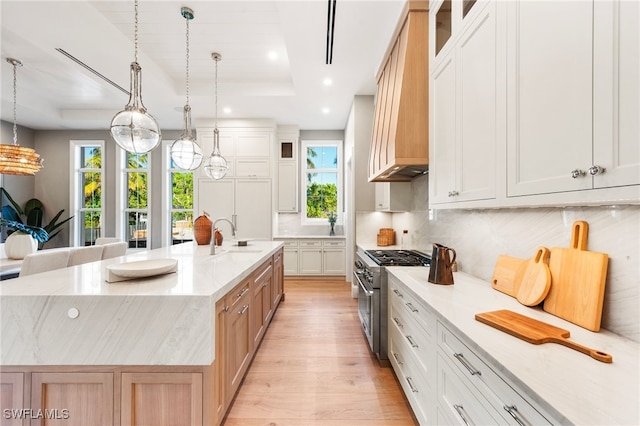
point(15, 114)
point(187, 79)
point(216, 102)
point(135, 32)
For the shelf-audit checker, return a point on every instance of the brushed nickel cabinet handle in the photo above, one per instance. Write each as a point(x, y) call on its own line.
point(395, 355)
point(596, 170)
point(576, 173)
point(410, 306)
point(398, 323)
point(467, 365)
point(513, 411)
point(412, 342)
point(460, 410)
point(244, 309)
point(410, 381)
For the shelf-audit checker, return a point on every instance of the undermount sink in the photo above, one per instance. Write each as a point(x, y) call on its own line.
point(236, 249)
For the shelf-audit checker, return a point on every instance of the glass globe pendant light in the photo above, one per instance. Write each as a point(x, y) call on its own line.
point(15, 159)
point(185, 151)
point(134, 129)
point(216, 166)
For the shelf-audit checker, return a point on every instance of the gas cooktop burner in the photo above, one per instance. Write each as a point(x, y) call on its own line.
point(399, 257)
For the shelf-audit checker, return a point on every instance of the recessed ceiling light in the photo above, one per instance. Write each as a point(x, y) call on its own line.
point(325, 110)
point(226, 110)
point(327, 82)
point(272, 55)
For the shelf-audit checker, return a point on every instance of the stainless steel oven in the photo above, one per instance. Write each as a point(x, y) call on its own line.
point(371, 276)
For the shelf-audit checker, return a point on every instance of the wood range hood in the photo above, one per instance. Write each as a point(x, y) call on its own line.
point(400, 138)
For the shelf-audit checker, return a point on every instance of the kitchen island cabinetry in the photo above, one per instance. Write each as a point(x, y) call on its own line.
point(171, 349)
point(487, 376)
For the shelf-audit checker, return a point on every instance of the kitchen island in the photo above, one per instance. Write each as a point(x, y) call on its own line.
point(142, 351)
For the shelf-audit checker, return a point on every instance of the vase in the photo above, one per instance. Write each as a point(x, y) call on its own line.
point(332, 232)
point(19, 244)
point(202, 230)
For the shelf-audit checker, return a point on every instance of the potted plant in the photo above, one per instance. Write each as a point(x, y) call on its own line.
point(25, 228)
point(332, 217)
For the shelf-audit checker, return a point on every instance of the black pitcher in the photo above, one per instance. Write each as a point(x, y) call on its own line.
point(440, 271)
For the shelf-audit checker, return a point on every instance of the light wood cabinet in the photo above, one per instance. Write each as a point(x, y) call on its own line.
point(11, 398)
point(239, 338)
point(466, 112)
point(161, 399)
point(277, 288)
point(262, 283)
point(87, 397)
point(400, 131)
point(393, 196)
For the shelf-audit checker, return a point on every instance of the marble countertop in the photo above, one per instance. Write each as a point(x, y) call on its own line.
point(72, 316)
point(304, 237)
point(571, 386)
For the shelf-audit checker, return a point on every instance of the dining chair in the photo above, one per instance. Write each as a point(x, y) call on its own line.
point(42, 261)
point(80, 255)
point(114, 250)
point(106, 240)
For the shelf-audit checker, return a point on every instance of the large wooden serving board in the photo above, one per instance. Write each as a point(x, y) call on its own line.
point(505, 273)
point(577, 281)
point(536, 332)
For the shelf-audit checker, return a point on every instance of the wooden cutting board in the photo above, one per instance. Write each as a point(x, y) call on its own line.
point(504, 274)
point(534, 278)
point(577, 281)
point(536, 332)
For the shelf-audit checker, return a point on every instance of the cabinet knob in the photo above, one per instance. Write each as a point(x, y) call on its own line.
point(576, 173)
point(453, 193)
point(596, 170)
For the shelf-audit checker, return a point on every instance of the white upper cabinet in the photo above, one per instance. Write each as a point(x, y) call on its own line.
point(467, 110)
point(550, 88)
point(534, 103)
point(287, 185)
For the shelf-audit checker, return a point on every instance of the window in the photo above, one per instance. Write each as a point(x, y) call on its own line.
point(87, 193)
point(178, 190)
point(322, 173)
point(135, 199)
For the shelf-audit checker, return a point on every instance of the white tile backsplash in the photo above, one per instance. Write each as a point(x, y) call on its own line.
point(479, 236)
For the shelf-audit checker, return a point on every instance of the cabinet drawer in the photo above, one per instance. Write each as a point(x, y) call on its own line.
point(246, 167)
point(507, 401)
point(333, 243)
point(413, 306)
point(418, 342)
point(238, 294)
point(310, 243)
point(456, 403)
point(290, 243)
point(411, 377)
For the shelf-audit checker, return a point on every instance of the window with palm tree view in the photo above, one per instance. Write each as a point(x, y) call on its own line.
point(322, 174)
point(88, 208)
point(136, 211)
point(181, 204)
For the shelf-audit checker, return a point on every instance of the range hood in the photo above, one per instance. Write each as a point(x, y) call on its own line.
point(400, 139)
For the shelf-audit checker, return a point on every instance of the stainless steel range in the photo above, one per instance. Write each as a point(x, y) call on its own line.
point(371, 276)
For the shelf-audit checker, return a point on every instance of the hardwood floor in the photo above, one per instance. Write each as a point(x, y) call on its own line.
point(314, 367)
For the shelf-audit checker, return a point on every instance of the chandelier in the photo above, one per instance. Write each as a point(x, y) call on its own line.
point(216, 166)
point(134, 129)
point(16, 159)
point(185, 151)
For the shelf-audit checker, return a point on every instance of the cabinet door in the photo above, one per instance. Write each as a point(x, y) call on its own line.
point(277, 286)
point(550, 95)
point(333, 261)
point(262, 283)
point(227, 148)
point(290, 261)
point(220, 390)
point(161, 399)
point(87, 397)
point(442, 125)
point(617, 93)
point(253, 208)
point(479, 102)
point(252, 167)
point(253, 145)
point(11, 397)
point(216, 198)
point(287, 186)
point(239, 340)
point(310, 261)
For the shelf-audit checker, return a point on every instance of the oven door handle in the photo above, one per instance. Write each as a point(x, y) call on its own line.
point(367, 291)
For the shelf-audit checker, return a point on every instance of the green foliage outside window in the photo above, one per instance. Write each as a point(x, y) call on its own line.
point(321, 199)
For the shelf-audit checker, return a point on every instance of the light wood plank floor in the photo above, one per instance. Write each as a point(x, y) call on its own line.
point(314, 367)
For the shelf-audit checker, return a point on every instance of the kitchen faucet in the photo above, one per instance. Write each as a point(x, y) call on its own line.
point(213, 230)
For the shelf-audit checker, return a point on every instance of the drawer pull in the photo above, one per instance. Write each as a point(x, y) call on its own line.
point(395, 290)
point(513, 411)
point(410, 306)
point(242, 293)
point(472, 370)
point(226, 308)
point(413, 343)
point(244, 309)
point(398, 323)
point(411, 385)
point(395, 355)
point(460, 410)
